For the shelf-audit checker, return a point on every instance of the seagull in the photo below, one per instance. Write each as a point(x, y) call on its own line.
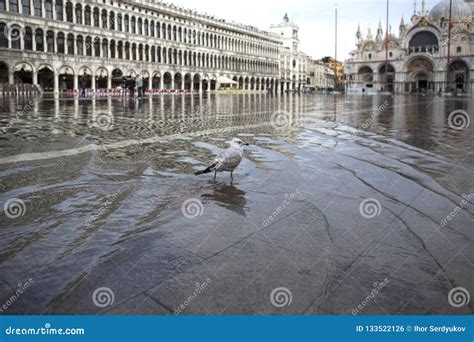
point(227, 161)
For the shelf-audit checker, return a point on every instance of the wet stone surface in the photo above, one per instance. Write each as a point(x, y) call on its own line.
point(338, 207)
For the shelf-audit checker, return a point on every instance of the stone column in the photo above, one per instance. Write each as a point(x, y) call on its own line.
point(35, 77)
point(150, 80)
point(109, 82)
point(56, 83)
point(11, 77)
point(162, 82)
point(76, 82)
point(93, 81)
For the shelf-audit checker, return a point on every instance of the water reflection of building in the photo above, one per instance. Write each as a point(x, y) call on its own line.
point(418, 57)
point(56, 43)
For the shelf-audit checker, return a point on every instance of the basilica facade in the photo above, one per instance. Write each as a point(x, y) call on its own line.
point(421, 58)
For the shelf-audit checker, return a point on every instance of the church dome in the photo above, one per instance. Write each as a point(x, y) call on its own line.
point(460, 10)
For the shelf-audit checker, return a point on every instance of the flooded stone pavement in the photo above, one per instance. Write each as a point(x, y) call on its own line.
point(338, 207)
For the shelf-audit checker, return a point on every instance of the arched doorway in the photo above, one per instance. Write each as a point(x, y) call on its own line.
point(46, 78)
point(167, 81)
point(85, 77)
point(213, 84)
point(458, 77)
point(197, 82)
point(205, 85)
point(420, 75)
point(365, 77)
point(66, 78)
point(178, 78)
point(117, 78)
point(387, 78)
point(101, 79)
point(156, 80)
point(23, 74)
point(187, 82)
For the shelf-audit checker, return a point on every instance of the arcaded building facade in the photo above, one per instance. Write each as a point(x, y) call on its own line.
point(59, 44)
point(418, 58)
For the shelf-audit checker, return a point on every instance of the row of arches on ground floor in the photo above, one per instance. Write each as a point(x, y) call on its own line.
point(420, 76)
point(67, 78)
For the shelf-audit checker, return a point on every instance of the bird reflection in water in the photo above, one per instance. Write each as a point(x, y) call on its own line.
point(229, 197)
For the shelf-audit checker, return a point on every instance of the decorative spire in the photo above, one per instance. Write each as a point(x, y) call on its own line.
point(379, 36)
point(414, 8)
point(358, 35)
point(403, 28)
point(285, 18)
point(423, 8)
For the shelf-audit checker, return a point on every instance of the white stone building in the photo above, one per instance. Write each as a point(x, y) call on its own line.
point(58, 44)
point(293, 70)
point(320, 76)
point(418, 58)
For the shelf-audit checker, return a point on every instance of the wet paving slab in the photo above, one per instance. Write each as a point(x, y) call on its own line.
point(339, 207)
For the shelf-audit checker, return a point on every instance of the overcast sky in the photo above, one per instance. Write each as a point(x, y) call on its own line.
point(314, 17)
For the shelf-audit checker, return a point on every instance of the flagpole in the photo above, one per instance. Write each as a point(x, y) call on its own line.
point(386, 46)
point(335, 52)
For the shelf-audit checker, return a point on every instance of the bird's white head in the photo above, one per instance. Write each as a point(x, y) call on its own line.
point(237, 143)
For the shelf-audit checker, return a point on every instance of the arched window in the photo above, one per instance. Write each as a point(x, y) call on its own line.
point(3, 7)
point(134, 52)
point(112, 49)
point(140, 26)
point(80, 45)
point(96, 16)
point(69, 14)
point(127, 23)
point(70, 44)
point(79, 14)
point(87, 16)
point(48, 8)
point(120, 50)
point(112, 20)
point(152, 28)
point(3, 38)
point(39, 40)
point(105, 18)
point(134, 25)
point(119, 22)
point(105, 48)
point(59, 10)
point(14, 6)
point(38, 8)
point(28, 38)
point(26, 7)
point(60, 43)
point(145, 26)
point(97, 47)
point(50, 41)
point(89, 46)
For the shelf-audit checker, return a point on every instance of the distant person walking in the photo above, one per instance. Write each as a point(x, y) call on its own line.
point(131, 86)
point(140, 87)
point(123, 86)
point(83, 87)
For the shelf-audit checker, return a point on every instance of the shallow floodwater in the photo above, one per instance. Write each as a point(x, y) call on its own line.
point(340, 206)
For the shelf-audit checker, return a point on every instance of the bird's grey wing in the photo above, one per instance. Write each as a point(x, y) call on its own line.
point(228, 160)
